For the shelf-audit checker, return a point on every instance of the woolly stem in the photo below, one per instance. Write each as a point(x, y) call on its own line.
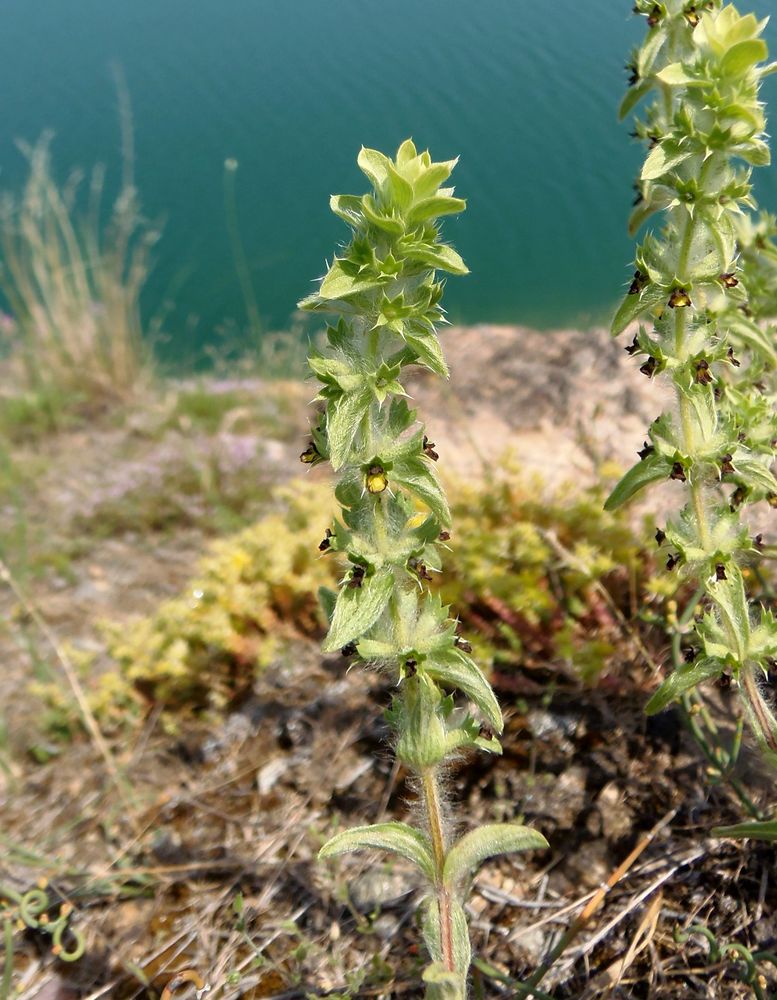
point(431, 799)
point(686, 414)
point(760, 714)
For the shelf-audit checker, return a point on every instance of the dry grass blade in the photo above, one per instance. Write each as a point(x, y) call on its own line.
point(74, 285)
point(611, 977)
point(529, 988)
point(90, 723)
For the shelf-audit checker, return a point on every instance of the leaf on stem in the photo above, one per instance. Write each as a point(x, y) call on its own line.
point(418, 476)
point(396, 838)
point(459, 671)
point(338, 284)
point(686, 677)
point(649, 470)
point(635, 305)
point(462, 952)
point(466, 856)
point(357, 609)
point(344, 421)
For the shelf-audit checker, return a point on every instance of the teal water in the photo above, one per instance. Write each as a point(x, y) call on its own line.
point(524, 90)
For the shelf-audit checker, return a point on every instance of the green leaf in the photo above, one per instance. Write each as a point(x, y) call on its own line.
point(406, 152)
point(649, 470)
point(397, 838)
point(375, 165)
point(440, 256)
point(675, 75)
point(347, 206)
point(339, 285)
point(660, 162)
point(731, 599)
point(756, 475)
point(634, 306)
point(432, 208)
point(743, 55)
point(418, 476)
point(327, 598)
point(401, 190)
point(468, 853)
point(756, 337)
point(344, 420)
point(756, 152)
point(462, 952)
point(458, 671)
point(376, 649)
point(763, 830)
point(427, 347)
point(632, 98)
point(433, 177)
point(686, 677)
point(357, 609)
point(387, 223)
point(649, 52)
point(658, 200)
point(441, 984)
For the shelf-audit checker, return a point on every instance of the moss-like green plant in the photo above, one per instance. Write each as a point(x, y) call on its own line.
point(525, 574)
point(703, 63)
point(528, 571)
point(395, 519)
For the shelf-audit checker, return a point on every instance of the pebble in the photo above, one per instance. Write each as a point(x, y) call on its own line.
point(617, 817)
point(269, 774)
point(380, 887)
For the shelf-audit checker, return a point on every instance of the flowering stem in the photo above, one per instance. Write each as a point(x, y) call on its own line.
point(394, 518)
point(705, 129)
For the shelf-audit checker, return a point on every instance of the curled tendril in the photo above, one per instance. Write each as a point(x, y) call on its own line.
point(717, 952)
point(32, 905)
point(78, 946)
point(31, 909)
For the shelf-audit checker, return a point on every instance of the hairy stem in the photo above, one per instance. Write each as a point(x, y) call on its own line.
point(433, 808)
point(761, 716)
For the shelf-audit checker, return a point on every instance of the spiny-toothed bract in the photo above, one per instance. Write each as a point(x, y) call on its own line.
point(394, 520)
point(703, 64)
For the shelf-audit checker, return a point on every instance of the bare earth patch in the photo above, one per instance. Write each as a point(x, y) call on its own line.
point(235, 807)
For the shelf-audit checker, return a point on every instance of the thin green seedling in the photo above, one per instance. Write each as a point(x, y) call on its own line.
point(703, 64)
point(741, 954)
point(395, 523)
point(30, 910)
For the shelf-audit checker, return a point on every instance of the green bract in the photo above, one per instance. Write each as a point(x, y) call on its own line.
point(394, 517)
point(699, 289)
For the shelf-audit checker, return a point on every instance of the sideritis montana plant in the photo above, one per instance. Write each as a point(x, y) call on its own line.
point(703, 65)
point(394, 522)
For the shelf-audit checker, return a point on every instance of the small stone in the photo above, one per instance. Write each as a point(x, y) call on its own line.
point(269, 774)
point(617, 818)
point(385, 926)
point(380, 887)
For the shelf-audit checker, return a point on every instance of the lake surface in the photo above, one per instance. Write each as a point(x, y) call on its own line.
point(525, 92)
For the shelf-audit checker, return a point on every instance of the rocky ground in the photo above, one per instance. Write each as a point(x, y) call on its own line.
point(193, 851)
